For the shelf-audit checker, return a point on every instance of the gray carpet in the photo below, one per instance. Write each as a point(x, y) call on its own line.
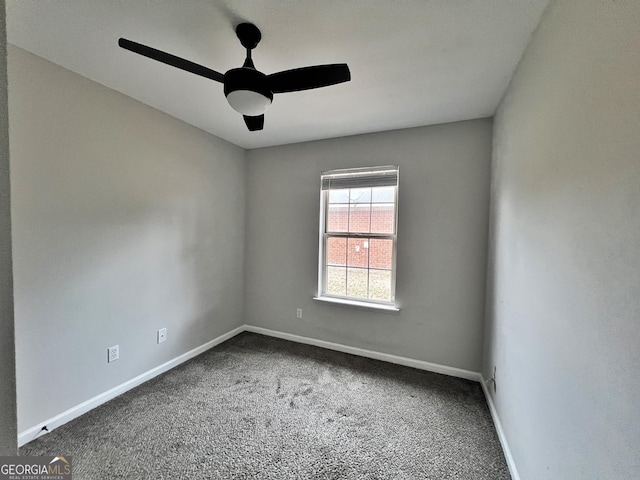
point(256, 407)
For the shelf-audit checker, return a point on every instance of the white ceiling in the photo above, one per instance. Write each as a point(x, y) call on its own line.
point(412, 62)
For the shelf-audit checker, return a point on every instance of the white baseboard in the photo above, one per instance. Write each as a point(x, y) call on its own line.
point(501, 436)
point(74, 412)
point(385, 357)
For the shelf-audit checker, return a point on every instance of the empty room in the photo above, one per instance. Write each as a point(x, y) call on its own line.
point(341, 239)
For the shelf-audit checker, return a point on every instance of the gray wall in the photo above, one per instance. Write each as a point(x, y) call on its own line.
point(125, 221)
point(563, 309)
point(442, 241)
point(7, 353)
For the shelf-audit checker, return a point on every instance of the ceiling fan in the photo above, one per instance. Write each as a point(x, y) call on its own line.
point(249, 91)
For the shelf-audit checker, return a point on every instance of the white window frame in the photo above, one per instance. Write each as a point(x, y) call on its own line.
point(354, 178)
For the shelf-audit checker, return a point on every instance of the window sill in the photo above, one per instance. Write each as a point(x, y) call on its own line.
point(378, 307)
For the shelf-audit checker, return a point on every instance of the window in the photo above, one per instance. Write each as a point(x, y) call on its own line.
point(358, 217)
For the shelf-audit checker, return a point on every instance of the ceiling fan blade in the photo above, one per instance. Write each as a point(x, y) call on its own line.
point(172, 60)
point(306, 78)
point(254, 123)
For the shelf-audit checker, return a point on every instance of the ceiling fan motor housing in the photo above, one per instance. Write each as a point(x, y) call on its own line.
point(247, 91)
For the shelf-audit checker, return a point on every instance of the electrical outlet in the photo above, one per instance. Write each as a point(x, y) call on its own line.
point(162, 335)
point(298, 313)
point(113, 353)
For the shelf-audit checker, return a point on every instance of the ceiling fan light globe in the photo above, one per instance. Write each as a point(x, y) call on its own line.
point(248, 102)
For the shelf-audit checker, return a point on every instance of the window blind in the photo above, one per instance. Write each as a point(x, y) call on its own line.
point(360, 177)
